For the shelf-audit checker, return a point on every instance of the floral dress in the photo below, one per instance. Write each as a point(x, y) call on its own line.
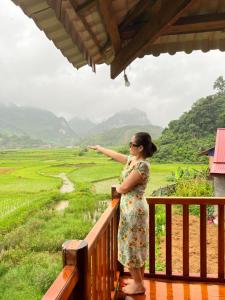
point(133, 225)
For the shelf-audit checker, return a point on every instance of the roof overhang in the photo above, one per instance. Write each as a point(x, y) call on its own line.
point(116, 32)
point(208, 152)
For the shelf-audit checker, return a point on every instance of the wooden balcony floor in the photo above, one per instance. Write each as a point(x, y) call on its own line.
point(165, 290)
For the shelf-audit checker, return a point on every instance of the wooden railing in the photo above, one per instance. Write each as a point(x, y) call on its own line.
point(91, 270)
point(185, 203)
point(102, 256)
point(90, 266)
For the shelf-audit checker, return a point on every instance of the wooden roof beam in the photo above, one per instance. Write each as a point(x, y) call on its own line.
point(88, 5)
point(159, 22)
point(105, 8)
point(185, 25)
point(135, 12)
point(200, 23)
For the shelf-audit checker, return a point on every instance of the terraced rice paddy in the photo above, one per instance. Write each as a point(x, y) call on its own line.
point(32, 230)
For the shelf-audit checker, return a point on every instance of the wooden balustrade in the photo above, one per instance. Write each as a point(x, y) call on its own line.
point(102, 255)
point(90, 266)
point(185, 202)
point(91, 270)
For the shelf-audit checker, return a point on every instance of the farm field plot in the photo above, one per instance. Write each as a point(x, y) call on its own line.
point(32, 230)
point(29, 178)
point(159, 174)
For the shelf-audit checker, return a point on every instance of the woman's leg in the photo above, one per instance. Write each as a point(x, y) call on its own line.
point(142, 271)
point(130, 281)
point(136, 274)
point(137, 286)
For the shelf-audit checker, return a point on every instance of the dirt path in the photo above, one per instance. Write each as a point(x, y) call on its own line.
point(67, 186)
point(62, 205)
point(194, 245)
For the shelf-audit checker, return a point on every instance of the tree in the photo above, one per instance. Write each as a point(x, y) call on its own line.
point(219, 85)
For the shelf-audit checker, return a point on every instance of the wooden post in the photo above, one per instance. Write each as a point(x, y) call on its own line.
point(75, 253)
point(185, 240)
point(168, 239)
point(116, 195)
point(221, 241)
point(203, 241)
point(152, 239)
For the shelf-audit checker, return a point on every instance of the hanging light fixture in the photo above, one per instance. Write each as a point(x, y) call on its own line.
point(127, 82)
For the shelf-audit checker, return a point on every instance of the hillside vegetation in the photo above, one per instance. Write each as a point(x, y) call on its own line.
point(194, 131)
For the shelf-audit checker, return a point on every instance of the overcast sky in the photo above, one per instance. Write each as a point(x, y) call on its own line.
point(34, 73)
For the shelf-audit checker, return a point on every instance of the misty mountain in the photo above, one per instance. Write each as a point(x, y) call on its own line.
point(34, 127)
point(120, 136)
point(15, 142)
point(124, 118)
point(86, 128)
point(81, 127)
point(37, 124)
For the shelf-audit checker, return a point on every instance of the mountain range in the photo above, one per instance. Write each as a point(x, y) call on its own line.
point(38, 127)
point(35, 123)
point(116, 130)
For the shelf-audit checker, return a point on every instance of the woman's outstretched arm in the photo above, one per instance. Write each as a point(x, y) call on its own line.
point(111, 153)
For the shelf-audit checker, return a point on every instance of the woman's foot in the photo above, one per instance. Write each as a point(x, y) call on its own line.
point(134, 289)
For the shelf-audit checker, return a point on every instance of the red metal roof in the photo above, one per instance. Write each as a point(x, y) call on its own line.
point(218, 166)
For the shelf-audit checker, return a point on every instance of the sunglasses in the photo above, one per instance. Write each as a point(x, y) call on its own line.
point(133, 145)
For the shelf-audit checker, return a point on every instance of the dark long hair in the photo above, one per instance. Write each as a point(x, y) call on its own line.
point(144, 139)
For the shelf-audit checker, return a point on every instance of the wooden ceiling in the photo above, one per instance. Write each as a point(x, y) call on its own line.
point(116, 32)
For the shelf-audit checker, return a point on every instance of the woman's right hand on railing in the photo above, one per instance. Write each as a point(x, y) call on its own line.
point(115, 194)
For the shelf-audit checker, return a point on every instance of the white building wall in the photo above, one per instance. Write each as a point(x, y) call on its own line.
point(219, 191)
point(219, 186)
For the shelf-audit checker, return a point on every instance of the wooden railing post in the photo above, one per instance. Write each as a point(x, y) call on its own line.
point(168, 239)
point(221, 241)
point(203, 242)
point(116, 195)
point(152, 239)
point(76, 253)
point(185, 240)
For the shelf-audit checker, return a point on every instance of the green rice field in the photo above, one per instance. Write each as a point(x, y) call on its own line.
point(32, 230)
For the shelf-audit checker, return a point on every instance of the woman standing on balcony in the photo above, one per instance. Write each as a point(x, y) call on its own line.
point(133, 226)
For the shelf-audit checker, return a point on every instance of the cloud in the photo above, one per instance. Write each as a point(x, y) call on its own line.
point(35, 73)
